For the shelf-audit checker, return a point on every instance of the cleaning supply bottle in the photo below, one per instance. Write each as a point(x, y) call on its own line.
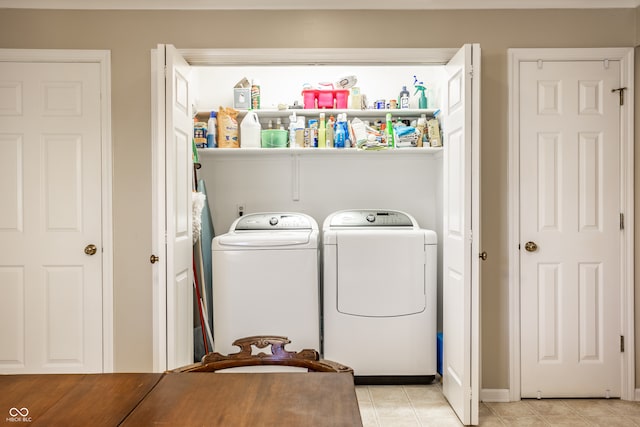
point(423, 135)
point(404, 98)
point(212, 126)
point(341, 136)
point(250, 130)
point(422, 99)
point(292, 130)
point(322, 132)
point(255, 94)
point(389, 131)
point(330, 131)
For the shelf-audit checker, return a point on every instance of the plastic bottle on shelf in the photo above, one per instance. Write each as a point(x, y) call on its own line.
point(322, 132)
point(292, 130)
point(389, 130)
point(341, 136)
point(255, 94)
point(250, 131)
point(404, 98)
point(420, 87)
point(422, 131)
point(212, 128)
point(330, 131)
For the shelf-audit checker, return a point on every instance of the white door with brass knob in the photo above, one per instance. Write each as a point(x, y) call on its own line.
point(51, 284)
point(569, 229)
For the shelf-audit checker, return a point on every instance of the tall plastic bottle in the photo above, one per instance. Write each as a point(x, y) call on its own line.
point(422, 130)
point(322, 132)
point(389, 130)
point(420, 87)
point(341, 136)
point(330, 131)
point(404, 98)
point(212, 129)
point(292, 130)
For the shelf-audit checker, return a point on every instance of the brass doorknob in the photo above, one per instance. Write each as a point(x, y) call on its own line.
point(90, 249)
point(483, 255)
point(531, 246)
point(153, 259)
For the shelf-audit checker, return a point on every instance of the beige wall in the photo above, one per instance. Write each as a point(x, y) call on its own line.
point(131, 35)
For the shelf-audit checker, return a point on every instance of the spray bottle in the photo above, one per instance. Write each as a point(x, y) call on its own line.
point(422, 100)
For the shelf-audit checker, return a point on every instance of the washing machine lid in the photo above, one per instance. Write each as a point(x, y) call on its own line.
point(370, 218)
point(381, 273)
point(274, 221)
point(269, 230)
point(265, 239)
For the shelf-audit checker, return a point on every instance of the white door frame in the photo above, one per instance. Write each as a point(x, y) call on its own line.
point(103, 58)
point(626, 58)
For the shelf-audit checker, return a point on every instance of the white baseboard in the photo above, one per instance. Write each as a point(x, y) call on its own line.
point(500, 395)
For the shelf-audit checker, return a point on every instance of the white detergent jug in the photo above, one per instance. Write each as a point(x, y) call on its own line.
point(250, 131)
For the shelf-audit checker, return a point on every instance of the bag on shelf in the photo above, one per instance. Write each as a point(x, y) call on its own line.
point(228, 128)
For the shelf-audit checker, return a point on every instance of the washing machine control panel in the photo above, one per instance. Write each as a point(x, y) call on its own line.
point(368, 218)
point(273, 221)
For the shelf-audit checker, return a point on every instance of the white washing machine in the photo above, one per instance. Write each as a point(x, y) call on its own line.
point(266, 280)
point(380, 295)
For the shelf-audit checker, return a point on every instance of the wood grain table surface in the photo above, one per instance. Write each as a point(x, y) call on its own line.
point(71, 399)
point(255, 399)
point(180, 399)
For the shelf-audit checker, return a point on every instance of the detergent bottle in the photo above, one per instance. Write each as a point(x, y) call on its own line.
point(250, 130)
point(422, 99)
point(404, 98)
point(340, 135)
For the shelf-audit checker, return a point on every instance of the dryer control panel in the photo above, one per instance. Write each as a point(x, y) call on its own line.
point(273, 221)
point(372, 218)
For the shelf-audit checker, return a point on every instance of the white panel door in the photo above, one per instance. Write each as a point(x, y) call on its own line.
point(178, 185)
point(570, 205)
point(461, 235)
point(50, 187)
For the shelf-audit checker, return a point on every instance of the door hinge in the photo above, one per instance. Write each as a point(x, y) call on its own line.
point(621, 221)
point(621, 343)
point(620, 91)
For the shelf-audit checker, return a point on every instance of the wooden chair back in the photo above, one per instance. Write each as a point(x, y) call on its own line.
point(309, 359)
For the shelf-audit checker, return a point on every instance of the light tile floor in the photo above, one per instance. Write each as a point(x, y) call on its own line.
point(424, 405)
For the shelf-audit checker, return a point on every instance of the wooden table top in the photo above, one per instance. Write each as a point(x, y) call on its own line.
point(72, 399)
point(180, 399)
point(256, 399)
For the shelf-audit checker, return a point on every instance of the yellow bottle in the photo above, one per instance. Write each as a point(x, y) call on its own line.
point(322, 133)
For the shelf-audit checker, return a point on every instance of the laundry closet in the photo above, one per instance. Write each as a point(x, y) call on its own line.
point(438, 186)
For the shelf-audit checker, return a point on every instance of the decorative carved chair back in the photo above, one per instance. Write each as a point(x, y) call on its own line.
point(309, 359)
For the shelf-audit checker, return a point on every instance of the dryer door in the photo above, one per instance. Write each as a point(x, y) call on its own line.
point(381, 273)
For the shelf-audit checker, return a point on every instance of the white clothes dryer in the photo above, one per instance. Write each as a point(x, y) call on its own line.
point(266, 280)
point(380, 295)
